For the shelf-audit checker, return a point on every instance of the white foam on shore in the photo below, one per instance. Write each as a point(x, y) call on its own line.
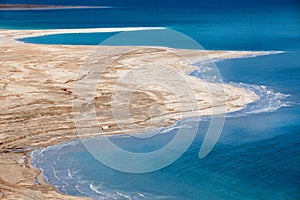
point(269, 100)
point(103, 193)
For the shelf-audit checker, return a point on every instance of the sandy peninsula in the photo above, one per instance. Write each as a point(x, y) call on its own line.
point(36, 83)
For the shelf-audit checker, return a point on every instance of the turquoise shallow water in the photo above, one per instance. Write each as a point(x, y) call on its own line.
point(257, 156)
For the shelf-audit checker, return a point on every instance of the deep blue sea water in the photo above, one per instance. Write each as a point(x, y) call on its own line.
point(258, 154)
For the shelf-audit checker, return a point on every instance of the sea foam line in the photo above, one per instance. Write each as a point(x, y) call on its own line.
point(269, 100)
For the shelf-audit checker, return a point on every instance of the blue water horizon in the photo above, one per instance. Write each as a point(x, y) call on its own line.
point(257, 155)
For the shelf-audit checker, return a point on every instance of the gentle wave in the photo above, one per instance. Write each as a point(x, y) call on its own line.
point(99, 192)
point(269, 100)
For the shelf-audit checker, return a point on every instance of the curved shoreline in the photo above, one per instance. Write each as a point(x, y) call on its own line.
point(36, 102)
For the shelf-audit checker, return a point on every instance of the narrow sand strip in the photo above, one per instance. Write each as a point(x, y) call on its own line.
point(18, 34)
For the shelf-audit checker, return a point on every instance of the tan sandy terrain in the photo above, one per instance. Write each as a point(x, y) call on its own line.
point(37, 81)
